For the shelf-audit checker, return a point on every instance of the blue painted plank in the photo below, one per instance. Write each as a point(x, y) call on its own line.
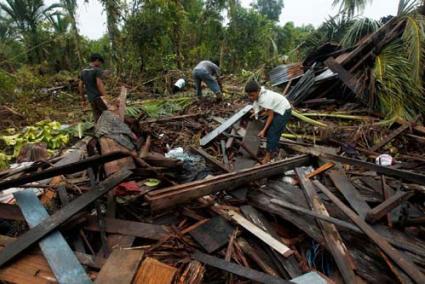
point(59, 255)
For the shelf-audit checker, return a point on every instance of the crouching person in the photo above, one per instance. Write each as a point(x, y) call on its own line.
point(278, 111)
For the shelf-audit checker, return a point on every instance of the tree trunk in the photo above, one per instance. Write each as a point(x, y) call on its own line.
point(112, 17)
point(76, 39)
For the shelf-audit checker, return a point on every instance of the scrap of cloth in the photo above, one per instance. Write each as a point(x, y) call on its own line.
point(109, 125)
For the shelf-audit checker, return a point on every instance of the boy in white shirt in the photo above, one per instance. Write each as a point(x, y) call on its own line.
point(278, 110)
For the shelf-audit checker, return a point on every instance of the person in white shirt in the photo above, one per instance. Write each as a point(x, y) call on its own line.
point(278, 110)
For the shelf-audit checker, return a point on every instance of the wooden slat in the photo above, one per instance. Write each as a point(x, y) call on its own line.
point(350, 193)
point(120, 267)
point(390, 137)
point(55, 220)
point(345, 75)
point(410, 268)
point(385, 207)
point(261, 234)
point(223, 127)
point(405, 175)
point(330, 233)
point(238, 269)
point(154, 272)
point(210, 158)
point(129, 228)
point(59, 255)
point(62, 170)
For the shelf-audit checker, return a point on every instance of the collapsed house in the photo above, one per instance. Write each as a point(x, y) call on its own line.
point(183, 199)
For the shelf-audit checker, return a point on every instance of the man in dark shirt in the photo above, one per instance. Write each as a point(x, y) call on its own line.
point(91, 81)
point(207, 72)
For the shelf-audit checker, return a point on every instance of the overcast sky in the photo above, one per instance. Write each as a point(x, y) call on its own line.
point(302, 12)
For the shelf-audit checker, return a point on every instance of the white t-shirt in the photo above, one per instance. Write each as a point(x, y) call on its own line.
point(271, 100)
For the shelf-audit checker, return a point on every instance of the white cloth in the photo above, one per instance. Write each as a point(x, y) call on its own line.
point(271, 100)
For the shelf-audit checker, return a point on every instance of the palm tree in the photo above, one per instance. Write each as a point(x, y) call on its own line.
point(27, 16)
point(70, 7)
point(351, 6)
point(112, 8)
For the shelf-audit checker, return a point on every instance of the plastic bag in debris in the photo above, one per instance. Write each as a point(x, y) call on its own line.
point(194, 167)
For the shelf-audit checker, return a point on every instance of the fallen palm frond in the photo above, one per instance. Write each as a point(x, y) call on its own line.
point(359, 29)
point(339, 115)
point(397, 91)
point(160, 107)
point(308, 120)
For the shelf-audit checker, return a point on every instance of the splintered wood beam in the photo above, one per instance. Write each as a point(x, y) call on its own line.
point(390, 137)
point(174, 195)
point(333, 239)
point(345, 75)
point(63, 169)
point(403, 174)
point(227, 124)
point(385, 207)
point(59, 217)
point(410, 268)
point(238, 269)
point(122, 103)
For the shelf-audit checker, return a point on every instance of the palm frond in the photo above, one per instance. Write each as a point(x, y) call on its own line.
point(351, 7)
point(406, 7)
point(397, 93)
point(414, 41)
point(360, 28)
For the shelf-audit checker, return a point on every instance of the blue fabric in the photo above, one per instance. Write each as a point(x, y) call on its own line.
point(276, 129)
point(200, 75)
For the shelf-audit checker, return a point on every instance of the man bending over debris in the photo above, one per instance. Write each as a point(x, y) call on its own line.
point(91, 81)
point(207, 72)
point(278, 110)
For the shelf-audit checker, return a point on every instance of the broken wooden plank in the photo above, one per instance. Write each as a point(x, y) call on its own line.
point(331, 235)
point(350, 193)
point(410, 268)
point(250, 251)
point(403, 174)
point(389, 138)
point(261, 234)
point(213, 234)
point(224, 153)
point(335, 221)
point(238, 269)
point(154, 272)
point(122, 102)
point(59, 255)
point(63, 170)
point(128, 228)
point(250, 145)
point(346, 77)
point(223, 127)
point(385, 207)
point(288, 266)
point(54, 221)
point(174, 195)
point(120, 267)
point(211, 159)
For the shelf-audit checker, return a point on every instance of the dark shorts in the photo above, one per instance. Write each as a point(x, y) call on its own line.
point(276, 129)
point(98, 106)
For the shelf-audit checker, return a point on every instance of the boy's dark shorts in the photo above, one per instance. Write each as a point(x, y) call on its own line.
point(276, 129)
